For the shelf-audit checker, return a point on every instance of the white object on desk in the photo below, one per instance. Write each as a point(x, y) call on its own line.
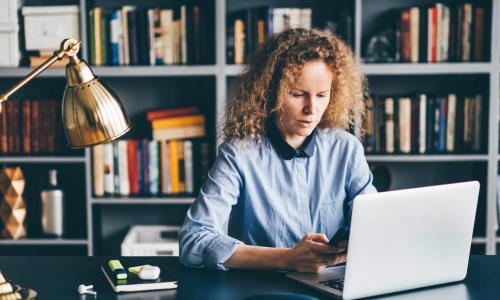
point(149, 272)
point(86, 289)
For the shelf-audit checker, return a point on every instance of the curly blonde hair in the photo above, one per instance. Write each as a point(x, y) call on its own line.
point(276, 66)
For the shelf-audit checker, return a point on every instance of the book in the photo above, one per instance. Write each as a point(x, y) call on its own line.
point(134, 284)
point(179, 133)
point(172, 112)
point(98, 170)
point(178, 122)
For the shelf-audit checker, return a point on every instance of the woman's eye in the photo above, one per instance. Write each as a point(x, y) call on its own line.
point(297, 95)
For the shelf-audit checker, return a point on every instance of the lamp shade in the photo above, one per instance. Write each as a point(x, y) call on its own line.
point(91, 113)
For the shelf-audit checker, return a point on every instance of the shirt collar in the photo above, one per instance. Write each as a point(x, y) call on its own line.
point(283, 149)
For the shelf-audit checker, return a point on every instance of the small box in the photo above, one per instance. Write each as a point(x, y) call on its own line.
point(9, 49)
point(46, 26)
point(151, 240)
point(8, 11)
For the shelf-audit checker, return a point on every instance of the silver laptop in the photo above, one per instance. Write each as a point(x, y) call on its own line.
point(402, 240)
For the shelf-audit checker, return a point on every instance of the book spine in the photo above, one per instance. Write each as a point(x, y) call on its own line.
point(389, 125)
point(405, 124)
point(442, 124)
point(98, 168)
point(153, 172)
point(450, 126)
point(133, 176)
point(188, 166)
point(422, 123)
point(108, 169)
point(124, 183)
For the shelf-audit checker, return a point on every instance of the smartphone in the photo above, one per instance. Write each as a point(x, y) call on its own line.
point(341, 235)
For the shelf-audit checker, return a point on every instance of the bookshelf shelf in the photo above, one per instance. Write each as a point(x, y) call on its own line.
point(42, 159)
point(426, 158)
point(157, 71)
point(46, 242)
point(405, 68)
point(143, 201)
point(23, 71)
point(425, 68)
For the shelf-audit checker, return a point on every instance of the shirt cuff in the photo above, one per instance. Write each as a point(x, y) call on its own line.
point(220, 250)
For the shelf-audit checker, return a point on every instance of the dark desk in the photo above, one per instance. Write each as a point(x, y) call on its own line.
point(56, 278)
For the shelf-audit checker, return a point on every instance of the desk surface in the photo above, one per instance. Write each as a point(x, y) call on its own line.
point(59, 277)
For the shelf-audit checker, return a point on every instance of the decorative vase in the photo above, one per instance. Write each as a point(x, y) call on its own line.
point(12, 208)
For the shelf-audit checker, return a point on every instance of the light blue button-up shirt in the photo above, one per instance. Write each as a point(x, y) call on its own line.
point(273, 200)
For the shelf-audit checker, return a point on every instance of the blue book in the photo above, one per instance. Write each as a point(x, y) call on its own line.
point(115, 31)
point(442, 124)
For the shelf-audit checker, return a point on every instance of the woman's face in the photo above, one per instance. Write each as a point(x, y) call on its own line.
point(305, 103)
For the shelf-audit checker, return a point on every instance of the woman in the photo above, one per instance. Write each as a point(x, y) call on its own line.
point(287, 172)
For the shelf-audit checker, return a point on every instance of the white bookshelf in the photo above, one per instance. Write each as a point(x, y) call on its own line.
point(220, 72)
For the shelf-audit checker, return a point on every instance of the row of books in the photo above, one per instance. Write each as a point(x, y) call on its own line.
point(146, 167)
point(441, 33)
point(30, 127)
point(248, 29)
point(154, 36)
point(424, 124)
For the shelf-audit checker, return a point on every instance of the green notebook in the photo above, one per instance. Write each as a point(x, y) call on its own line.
point(134, 284)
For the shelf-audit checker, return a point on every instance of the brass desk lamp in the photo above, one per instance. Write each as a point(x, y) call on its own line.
point(91, 113)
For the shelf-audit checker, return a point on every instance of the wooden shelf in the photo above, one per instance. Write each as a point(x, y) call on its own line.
point(143, 201)
point(426, 157)
point(42, 159)
point(43, 242)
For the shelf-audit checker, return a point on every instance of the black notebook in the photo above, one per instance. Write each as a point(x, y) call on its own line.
point(135, 284)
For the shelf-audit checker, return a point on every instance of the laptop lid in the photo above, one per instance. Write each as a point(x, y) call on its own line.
point(408, 239)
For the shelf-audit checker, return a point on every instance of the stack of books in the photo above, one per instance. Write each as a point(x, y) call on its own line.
point(177, 123)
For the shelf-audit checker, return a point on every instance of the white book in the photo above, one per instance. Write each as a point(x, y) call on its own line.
point(167, 19)
point(305, 18)
point(98, 170)
point(123, 168)
point(279, 19)
point(126, 44)
point(405, 125)
point(153, 170)
point(188, 166)
point(450, 122)
point(121, 46)
point(422, 124)
point(183, 35)
point(108, 168)
point(389, 125)
point(439, 31)
point(446, 32)
point(151, 31)
point(295, 18)
point(179, 133)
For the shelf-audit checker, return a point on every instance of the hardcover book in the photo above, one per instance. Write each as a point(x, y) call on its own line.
point(134, 284)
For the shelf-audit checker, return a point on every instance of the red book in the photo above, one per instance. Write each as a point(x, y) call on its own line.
point(133, 176)
point(405, 36)
point(168, 113)
point(433, 32)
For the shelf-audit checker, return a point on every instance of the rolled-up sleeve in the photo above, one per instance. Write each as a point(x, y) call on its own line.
point(202, 240)
point(359, 177)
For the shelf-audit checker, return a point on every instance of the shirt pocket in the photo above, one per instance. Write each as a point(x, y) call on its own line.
point(331, 215)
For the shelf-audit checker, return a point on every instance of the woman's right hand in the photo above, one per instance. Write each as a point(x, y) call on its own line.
point(312, 253)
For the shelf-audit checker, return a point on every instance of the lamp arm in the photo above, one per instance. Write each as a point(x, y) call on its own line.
point(69, 47)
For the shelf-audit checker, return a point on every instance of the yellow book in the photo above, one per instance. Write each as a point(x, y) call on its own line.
point(178, 122)
point(173, 159)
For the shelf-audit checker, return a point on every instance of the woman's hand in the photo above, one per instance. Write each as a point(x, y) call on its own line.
point(313, 253)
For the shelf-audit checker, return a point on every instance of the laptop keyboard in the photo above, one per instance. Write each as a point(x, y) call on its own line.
point(337, 284)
